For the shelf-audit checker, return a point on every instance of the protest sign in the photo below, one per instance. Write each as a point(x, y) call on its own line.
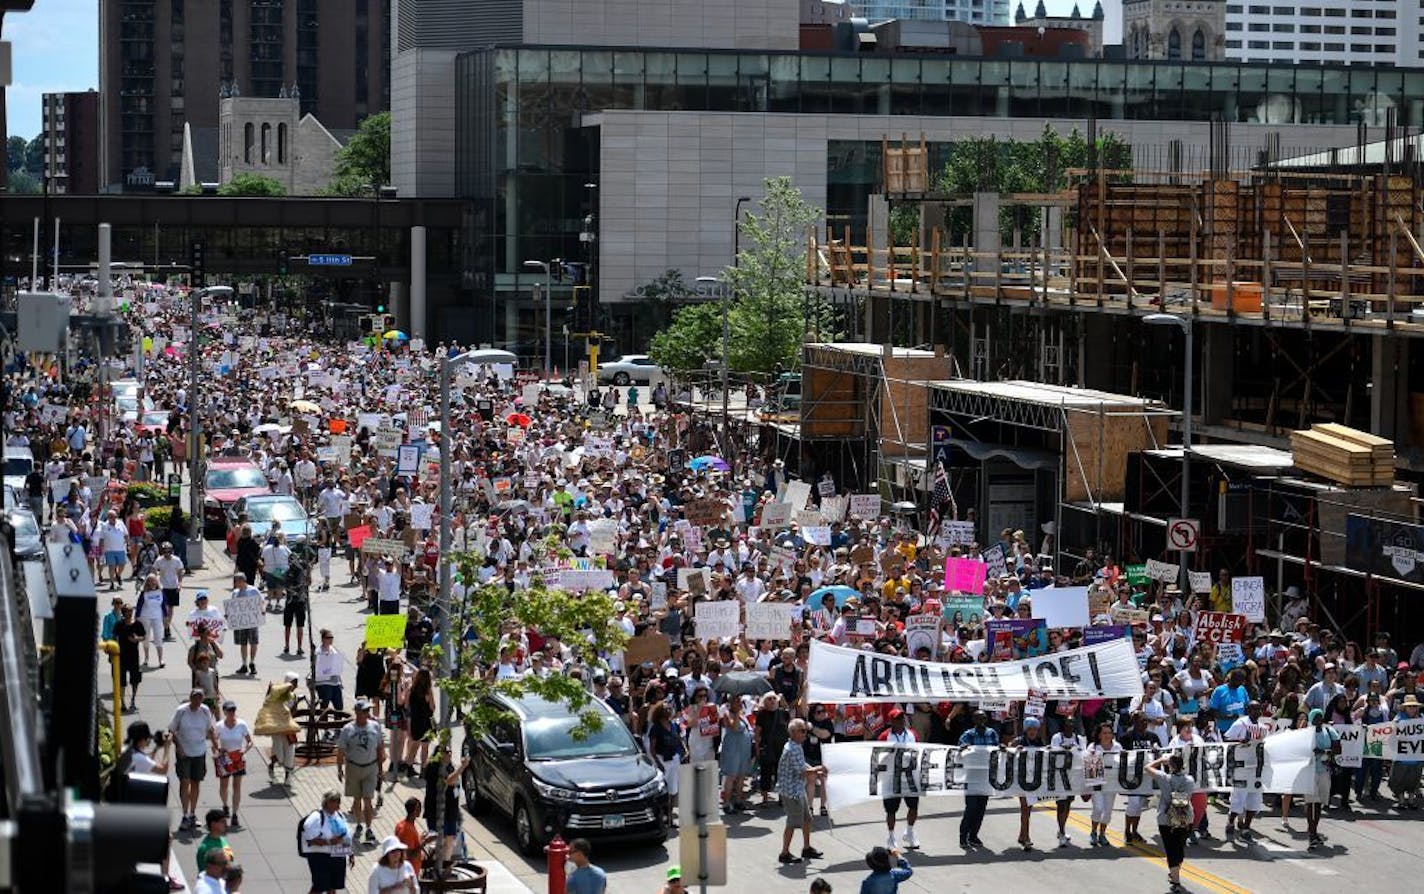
point(1137, 575)
point(651, 646)
point(923, 632)
point(796, 494)
point(388, 441)
point(826, 487)
point(1352, 742)
point(833, 509)
point(1199, 581)
point(1163, 571)
point(502, 485)
point(1094, 635)
point(1100, 597)
point(770, 620)
point(1128, 614)
point(585, 579)
point(1404, 740)
point(806, 518)
point(1016, 638)
point(384, 546)
point(964, 575)
point(385, 631)
point(775, 515)
point(962, 609)
point(1062, 606)
point(866, 627)
point(718, 620)
point(1035, 704)
point(953, 533)
point(357, 536)
point(994, 558)
point(817, 535)
point(1220, 627)
point(694, 580)
point(1248, 597)
point(705, 513)
point(243, 612)
point(865, 506)
point(421, 516)
point(408, 459)
point(603, 536)
point(840, 675)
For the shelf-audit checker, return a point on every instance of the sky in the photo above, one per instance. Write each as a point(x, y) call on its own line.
point(56, 49)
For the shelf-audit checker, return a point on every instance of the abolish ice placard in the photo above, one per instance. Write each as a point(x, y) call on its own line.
point(839, 675)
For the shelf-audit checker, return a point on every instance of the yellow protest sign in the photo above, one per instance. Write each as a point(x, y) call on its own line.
point(385, 632)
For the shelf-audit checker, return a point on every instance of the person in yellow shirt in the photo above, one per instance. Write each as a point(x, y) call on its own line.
point(1220, 600)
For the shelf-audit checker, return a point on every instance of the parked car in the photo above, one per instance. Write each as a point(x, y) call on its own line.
point(155, 421)
point(529, 767)
point(29, 541)
point(631, 369)
point(228, 480)
point(18, 463)
point(262, 511)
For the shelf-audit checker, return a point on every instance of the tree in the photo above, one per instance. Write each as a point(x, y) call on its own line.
point(694, 335)
point(252, 185)
point(585, 624)
point(34, 158)
point(22, 184)
point(364, 163)
point(15, 153)
point(662, 295)
point(769, 317)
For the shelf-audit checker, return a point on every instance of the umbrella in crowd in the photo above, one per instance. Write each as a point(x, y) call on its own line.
point(520, 419)
point(742, 683)
point(395, 335)
point(842, 593)
point(305, 406)
point(704, 463)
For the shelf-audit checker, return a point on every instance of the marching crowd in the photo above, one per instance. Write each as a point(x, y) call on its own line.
point(325, 423)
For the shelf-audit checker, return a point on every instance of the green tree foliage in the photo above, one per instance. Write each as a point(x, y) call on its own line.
point(34, 158)
point(252, 185)
point(662, 295)
point(22, 184)
point(988, 164)
point(694, 337)
point(364, 163)
point(769, 315)
point(15, 153)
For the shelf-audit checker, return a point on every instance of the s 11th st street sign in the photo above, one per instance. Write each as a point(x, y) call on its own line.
point(328, 260)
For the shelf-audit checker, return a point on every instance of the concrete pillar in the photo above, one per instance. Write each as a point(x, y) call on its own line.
point(1389, 394)
point(398, 306)
point(104, 305)
point(1218, 352)
point(986, 222)
point(417, 283)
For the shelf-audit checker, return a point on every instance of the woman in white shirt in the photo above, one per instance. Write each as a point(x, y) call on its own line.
point(150, 612)
point(1105, 743)
point(392, 873)
point(234, 738)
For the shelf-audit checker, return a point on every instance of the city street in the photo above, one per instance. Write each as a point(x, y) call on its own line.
point(1384, 845)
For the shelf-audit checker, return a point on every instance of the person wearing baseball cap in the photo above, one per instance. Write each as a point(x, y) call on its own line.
point(193, 729)
point(899, 734)
point(1325, 744)
point(360, 755)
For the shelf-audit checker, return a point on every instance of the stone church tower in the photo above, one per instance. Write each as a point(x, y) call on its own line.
point(1174, 29)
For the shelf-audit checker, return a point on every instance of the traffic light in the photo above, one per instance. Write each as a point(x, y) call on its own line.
point(582, 310)
point(282, 260)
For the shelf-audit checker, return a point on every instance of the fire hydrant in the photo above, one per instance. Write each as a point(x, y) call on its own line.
point(558, 853)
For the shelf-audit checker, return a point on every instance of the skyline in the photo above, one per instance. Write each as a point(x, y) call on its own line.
point(56, 50)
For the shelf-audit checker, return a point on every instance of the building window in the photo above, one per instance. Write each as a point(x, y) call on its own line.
point(1198, 45)
point(1283, 28)
point(266, 143)
point(1259, 44)
point(1310, 46)
point(1283, 45)
point(1174, 44)
point(248, 137)
point(281, 144)
point(1233, 44)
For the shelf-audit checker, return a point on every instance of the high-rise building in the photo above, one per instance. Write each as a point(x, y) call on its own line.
point(1339, 32)
point(71, 142)
point(165, 63)
point(1190, 30)
point(975, 12)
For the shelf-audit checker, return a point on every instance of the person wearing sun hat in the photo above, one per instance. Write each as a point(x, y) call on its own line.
point(1325, 744)
point(392, 873)
point(1404, 775)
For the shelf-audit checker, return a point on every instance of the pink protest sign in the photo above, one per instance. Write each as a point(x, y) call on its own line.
point(965, 575)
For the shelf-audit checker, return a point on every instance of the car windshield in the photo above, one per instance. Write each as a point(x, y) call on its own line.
point(552, 739)
point(269, 510)
point(25, 525)
point(18, 465)
point(240, 477)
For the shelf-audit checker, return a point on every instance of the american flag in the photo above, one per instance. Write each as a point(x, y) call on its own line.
point(418, 417)
point(941, 495)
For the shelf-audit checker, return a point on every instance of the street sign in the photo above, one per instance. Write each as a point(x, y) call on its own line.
point(1183, 534)
point(328, 260)
point(175, 485)
point(939, 446)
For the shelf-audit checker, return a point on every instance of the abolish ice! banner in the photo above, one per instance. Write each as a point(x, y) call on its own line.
point(841, 675)
point(866, 771)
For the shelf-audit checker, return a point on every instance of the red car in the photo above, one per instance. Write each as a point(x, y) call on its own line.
point(228, 480)
point(155, 421)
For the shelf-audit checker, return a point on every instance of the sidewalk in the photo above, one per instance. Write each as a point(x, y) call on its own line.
point(266, 845)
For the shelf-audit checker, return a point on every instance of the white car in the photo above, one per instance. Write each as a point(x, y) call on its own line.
point(631, 369)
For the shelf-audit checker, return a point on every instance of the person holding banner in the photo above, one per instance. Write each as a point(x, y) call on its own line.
point(1139, 737)
point(1066, 739)
point(898, 734)
point(1245, 804)
point(1032, 738)
point(1104, 743)
point(1404, 774)
point(793, 776)
point(1325, 746)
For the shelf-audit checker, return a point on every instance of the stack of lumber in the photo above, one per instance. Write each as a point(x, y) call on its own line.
point(1344, 455)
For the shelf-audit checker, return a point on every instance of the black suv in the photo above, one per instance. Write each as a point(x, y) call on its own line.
point(531, 768)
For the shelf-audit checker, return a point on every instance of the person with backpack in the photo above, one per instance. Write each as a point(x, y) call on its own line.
point(324, 839)
point(1174, 812)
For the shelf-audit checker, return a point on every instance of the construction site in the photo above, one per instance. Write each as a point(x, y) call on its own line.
point(1048, 348)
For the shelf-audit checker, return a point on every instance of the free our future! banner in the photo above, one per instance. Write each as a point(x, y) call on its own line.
point(851, 676)
point(866, 771)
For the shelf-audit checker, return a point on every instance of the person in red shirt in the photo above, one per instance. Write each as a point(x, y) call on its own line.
point(899, 734)
point(409, 834)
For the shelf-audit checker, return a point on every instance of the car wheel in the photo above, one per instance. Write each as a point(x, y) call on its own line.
point(525, 834)
point(621, 378)
point(474, 801)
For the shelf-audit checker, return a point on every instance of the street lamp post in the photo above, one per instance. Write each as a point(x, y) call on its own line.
point(1185, 324)
point(731, 456)
point(195, 447)
point(548, 318)
point(447, 366)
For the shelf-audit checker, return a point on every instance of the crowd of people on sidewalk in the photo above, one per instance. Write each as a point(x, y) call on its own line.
point(546, 481)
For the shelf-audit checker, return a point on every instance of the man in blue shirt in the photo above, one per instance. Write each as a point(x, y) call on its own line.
point(586, 878)
point(975, 805)
point(1229, 700)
